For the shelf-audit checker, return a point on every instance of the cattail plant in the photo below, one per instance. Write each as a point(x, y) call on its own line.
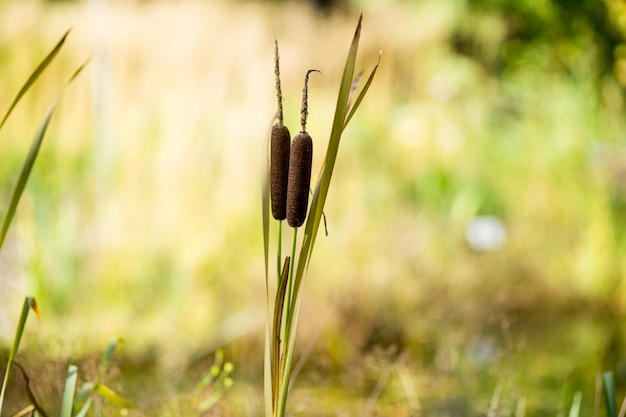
point(283, 307)
point(279, 154)
point(300, 166)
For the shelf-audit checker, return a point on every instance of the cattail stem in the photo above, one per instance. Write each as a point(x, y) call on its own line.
point(279, 251)
point(279, 93)
point(304, 112)
point(290, 283)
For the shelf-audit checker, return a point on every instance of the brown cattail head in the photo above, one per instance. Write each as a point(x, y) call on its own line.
point(299, 179)
point(279, 170)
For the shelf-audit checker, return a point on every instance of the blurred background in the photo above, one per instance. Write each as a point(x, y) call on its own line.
point(476, 218)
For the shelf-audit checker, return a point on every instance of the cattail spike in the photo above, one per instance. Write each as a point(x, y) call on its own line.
point(279, 169)
point(304, 112)
point(299, 179)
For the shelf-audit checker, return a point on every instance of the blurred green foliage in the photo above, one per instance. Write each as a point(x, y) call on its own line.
point(511, 109)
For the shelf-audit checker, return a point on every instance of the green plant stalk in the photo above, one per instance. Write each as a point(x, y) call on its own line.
point(268, 375)
point(68, 392)
point(279, 247)
point(609, 394)
point(291, 344)
point(290, 284)
point(82, 412)
point(279, 304)
point(575, 408)
point(107, 357)
point(283, 366)
point(219, 389)
point(29, 303)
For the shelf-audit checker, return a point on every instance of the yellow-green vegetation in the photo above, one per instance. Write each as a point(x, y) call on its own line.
point(141, 217)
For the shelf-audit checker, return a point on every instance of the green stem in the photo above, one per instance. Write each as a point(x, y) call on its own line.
point(290, 281)
point(279, 251)
point(285, 353)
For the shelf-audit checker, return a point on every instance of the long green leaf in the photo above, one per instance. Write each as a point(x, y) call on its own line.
point(29, 303)
point(279, 305)
point(609, 394)
point(68, 392)
point(291, 344)
point(33, 77)
point(30, 160)
point(82, 412)
point(323, 182)
point(84, 396)
point(574, 410)
point(361, 95)
point(265, 204)
point(106, 358)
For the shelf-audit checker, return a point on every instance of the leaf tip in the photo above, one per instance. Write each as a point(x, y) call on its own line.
point(33, 305)
point(358, 25)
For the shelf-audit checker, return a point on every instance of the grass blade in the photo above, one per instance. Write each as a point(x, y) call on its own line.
point(26, 169)
point(361, 95)
point(279, 305)
point(622, 409)
point(68, 393)
point(495, 399)
point(29, 303)
point(291, 344)
point(265, 212)
point(30, 160)
point(83, 397)
point(33, 77)
point(86, 406)
point(574, 411)
point(111, 396)
point(108, 355)
point(609, 394)
point(323, 182)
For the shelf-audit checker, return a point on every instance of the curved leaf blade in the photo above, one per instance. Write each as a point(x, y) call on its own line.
point(33, 77)
point(31, 158)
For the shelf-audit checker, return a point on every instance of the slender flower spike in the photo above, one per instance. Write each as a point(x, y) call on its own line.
point(300, 167)
point(279, 153)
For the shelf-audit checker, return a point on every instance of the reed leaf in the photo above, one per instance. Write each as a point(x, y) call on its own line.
point(323, 182)
point(608, 380)
point(265, 213)
point(574, 410)
point(108, 394)
point(31, 158)
point(33, 77)
point(361, 95)
point(29, 304)
point(108, 355)
point(279, 305)
point(68, 393)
